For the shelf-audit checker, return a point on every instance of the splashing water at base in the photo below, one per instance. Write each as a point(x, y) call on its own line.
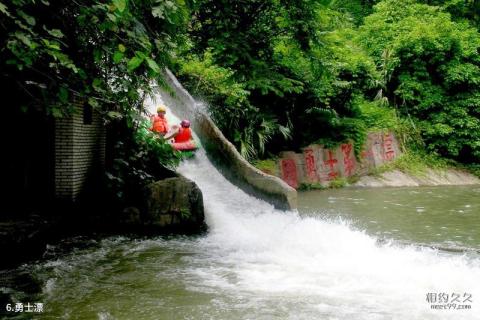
point(255, 263)
point(324, 266)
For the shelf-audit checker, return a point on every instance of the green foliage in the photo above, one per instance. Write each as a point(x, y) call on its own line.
point(409, 68)
point(377, 117)
point(311, 186)
point(243, 38)
point(155, 147)
point(230, 107)
point(214, 84)
point(100, 52)
point(278, 72)
point(416, 163)
point(338, 183)
point(269, 166)
point(460, 9)
point(185, 213)
point(338, 75)
point(473, 168)
point(435, 74)
point(355, 10)
point(138, 161)
point(104, 53)
point(353, 179)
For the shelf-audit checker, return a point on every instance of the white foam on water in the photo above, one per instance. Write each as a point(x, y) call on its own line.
point(257, 250)
point(256, 262)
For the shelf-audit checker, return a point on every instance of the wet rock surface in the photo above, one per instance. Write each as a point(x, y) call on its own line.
point(170, 206)
point(25, 237)
point(174, 203)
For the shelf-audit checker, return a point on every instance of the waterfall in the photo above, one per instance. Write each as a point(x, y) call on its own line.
point(257, 262)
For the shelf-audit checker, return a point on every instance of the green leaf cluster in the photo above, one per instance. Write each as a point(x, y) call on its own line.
point(434, 74)
point(137, 161)
point(280, 83)
point(275, 74)
point(99, 52)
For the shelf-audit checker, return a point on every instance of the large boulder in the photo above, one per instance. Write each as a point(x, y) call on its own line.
point(174, 204)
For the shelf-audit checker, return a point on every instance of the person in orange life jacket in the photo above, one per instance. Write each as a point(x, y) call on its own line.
point(182, 133)
point(159, 122)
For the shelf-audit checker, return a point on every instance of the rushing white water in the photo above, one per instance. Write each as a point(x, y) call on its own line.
point(256, 262)
point(319, 268)
point(307, 268)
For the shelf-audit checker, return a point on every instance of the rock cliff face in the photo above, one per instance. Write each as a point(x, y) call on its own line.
point(174, 204)
point(317, 164)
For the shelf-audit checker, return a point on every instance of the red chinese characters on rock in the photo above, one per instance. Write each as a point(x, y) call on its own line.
point(330, 163)
point(348, 160)
point(289, 172)
point(310, 165)
point(388, 151)
point(366, 154)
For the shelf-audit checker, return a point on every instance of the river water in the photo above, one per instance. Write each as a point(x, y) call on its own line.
point(447, 217)
point(347, 254)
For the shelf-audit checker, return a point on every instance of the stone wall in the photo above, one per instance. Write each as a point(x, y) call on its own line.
point(317, 164)
point(222, 153)
point(79, 152)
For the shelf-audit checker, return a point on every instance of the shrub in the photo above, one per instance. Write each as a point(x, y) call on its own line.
point(433, 75)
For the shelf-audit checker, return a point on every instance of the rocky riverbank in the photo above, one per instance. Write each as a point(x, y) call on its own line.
point(430, 177)
point(170, 206)
point(378, 165)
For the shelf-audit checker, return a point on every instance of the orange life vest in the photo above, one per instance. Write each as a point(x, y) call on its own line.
point(159, 125)
point(183, 135)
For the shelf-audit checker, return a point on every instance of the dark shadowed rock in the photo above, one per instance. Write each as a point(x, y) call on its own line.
point(131, 215)
point(176, 204)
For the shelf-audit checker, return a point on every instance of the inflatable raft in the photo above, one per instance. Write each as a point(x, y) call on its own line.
point(185, 146)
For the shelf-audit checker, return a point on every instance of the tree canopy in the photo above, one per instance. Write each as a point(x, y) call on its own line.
point(276, 74)
point(433, 72)
point(103, 53)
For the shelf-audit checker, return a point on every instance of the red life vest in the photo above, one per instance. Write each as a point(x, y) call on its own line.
point(159, 125)
point(183, 135)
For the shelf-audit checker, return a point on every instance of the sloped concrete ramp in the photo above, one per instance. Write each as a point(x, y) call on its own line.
point(222, 153)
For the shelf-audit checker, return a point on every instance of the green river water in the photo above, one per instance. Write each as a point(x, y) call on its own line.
point(443, 217)
point(347, 254)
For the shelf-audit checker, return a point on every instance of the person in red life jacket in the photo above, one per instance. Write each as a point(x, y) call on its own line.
point(182, 137)
point(159, 122)
point(184, 133)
